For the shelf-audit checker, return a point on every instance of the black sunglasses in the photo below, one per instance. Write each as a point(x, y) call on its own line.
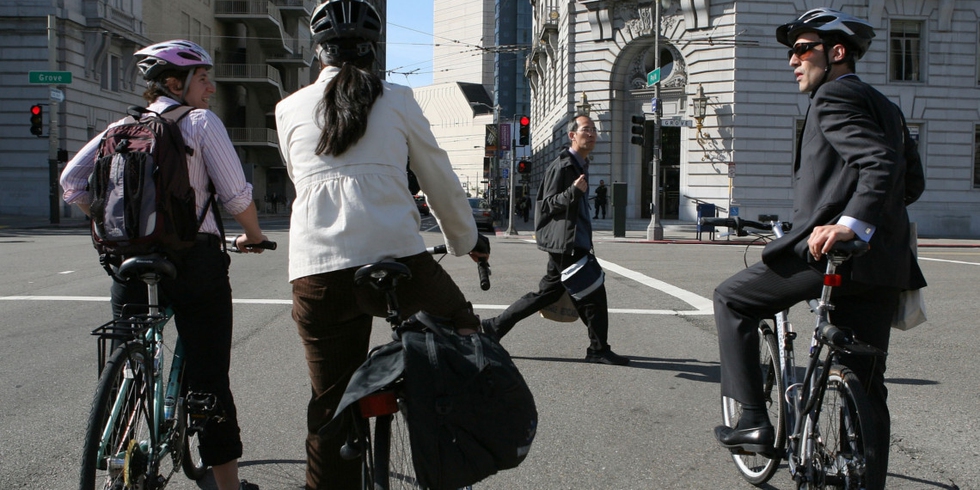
point(800, 49)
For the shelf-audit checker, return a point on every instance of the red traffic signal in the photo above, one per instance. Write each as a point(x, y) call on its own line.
point(37, 120)
point(524, 130)
point(523, 167)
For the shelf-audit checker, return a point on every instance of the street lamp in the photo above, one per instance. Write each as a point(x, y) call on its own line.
point(585, 107)
point(700, 105)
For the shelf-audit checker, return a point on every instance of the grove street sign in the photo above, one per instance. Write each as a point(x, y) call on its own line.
point(49, 77)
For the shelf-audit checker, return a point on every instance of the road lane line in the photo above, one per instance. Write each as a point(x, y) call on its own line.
point(701, 304)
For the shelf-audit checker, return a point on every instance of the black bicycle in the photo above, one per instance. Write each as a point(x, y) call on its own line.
point(379, 435)
point(823, 423)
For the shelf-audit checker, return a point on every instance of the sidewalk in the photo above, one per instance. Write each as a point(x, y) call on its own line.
point(675, 232)
point(680, 232)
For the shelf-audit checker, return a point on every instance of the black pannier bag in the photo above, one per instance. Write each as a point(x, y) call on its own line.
point(470, 413)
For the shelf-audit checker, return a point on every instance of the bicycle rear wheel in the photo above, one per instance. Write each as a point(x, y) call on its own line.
point(838, 442)
point(393, 467)
point(114, 450)
point(756, 468)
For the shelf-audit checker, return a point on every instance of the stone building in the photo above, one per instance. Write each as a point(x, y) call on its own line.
point(261, 50)
point(596, 55)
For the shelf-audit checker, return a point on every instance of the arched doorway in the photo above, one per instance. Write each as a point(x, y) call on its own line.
point(673, 76)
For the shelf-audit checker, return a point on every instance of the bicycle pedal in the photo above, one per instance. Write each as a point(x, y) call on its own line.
point(201, 403)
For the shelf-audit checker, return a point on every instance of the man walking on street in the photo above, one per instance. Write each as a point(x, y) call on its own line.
point(563, 229)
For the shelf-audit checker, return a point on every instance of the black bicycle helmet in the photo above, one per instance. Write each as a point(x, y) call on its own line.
point(335, 20)
point(857, 32)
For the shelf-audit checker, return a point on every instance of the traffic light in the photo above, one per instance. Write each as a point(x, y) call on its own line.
point(524, 131)
point(37, 120)
point(523, 167)
point(639, 123)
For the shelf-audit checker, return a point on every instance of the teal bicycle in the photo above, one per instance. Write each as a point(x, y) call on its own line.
point(143, 427)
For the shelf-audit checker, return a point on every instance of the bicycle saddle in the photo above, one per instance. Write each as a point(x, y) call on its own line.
point(147, 264)
point(383, 275)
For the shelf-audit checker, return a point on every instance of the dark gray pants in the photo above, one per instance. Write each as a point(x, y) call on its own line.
point(592, 309)
point(760, 291)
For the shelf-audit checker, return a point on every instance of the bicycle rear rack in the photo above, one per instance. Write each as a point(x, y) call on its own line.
point(120, 331)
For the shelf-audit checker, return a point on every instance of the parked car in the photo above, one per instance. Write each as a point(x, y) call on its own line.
point(481, 213)
point(422, 205)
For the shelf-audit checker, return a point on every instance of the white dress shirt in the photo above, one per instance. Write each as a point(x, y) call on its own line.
point(214, 157)
point(356, 209)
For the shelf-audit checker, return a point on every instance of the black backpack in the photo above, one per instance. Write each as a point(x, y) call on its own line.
point(142, 200)
point(470, 413)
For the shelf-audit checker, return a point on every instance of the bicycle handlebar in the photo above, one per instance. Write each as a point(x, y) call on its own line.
point(482, 265)
point(739, 224)
point(232, 244)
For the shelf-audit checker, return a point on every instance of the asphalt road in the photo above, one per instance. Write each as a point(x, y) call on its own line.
point(645, 426)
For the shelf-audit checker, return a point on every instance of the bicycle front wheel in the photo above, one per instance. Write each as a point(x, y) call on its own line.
point(114, 455)
point(756, 468)
point(836, 441)
point(393, 453)
point(190, 454)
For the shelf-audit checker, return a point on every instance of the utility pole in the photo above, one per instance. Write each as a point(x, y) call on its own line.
point(510, 183)
point(654, 230)
point(54, 198)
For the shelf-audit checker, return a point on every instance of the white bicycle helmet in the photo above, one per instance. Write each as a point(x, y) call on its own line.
point(334, 20)
point(857, 32)
point(169, 55)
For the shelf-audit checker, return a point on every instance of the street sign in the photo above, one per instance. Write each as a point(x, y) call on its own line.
point(505, 172)
point(653, 77)
point(49, 77)
point(731, 170)
point(653, 105)
point(57, 95)
point(676, 122)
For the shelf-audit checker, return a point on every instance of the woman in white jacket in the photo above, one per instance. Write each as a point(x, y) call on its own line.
point(346, 140)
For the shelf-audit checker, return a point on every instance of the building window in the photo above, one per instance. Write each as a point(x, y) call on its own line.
point(976, 157)
point(905, 51)
point(110, 74)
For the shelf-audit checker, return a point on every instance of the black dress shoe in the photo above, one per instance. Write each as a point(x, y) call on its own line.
point(606, 357)
point(753, 439)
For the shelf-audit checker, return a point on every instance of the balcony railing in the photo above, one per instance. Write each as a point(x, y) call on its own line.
point(247, 72)
point(264, 136)
point(263, 10)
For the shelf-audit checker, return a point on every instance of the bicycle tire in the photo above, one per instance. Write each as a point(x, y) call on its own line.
point(756, 468)
point(122, 457)
point(392, 455)
point(841, 435)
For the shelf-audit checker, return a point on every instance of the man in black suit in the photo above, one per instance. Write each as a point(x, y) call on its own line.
point(849, 181)
point(563, 229)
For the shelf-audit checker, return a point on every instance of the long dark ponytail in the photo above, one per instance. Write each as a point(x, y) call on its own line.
point(342, 114)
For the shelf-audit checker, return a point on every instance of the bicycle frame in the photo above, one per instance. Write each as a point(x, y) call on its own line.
point(163, 398)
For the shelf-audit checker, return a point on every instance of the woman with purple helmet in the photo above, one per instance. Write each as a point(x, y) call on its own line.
point(176, 73)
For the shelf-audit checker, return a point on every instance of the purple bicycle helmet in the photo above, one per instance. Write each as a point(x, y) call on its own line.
point(857, 32)
point(171, 55)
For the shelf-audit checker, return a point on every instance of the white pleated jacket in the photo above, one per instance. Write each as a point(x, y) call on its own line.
point(356, 209)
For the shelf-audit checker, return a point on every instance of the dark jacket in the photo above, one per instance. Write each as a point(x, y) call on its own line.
point(556, 209)
point(851, 162)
